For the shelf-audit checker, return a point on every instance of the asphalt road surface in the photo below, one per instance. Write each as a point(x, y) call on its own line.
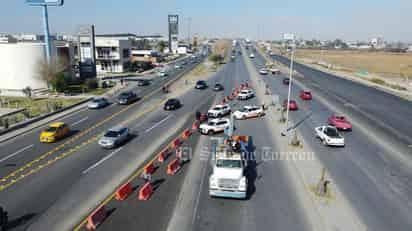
point(34, 175)
point(371, 170)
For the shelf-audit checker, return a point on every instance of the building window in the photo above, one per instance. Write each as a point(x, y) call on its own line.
point(126, 53)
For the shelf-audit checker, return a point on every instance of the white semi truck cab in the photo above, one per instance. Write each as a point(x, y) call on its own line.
point(228, 178)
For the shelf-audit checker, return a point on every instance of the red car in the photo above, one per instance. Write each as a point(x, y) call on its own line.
point(305, 95)
point(340, 123)
point(293, 106)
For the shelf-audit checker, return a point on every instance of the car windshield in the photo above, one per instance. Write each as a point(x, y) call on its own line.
point(112, 134)
point(341, 118)
point(51, 129)
point(124, 95)
point(332, 132)
point(228, 164)
point(211, 123)
point(243, 110)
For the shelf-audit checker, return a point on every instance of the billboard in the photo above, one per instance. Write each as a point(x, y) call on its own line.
point(45, 2)
point(173, 20)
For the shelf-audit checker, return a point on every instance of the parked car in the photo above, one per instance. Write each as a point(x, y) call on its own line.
point(305, 95)
point(201, 84)
point(246, 94)
point(214, 126)
point(127, 98)
point(285, 81)
point(114, 136)
point(329, 136)
point(251, 56)
point(293, 106)
point(54, 132)
point(218, 87)
point(340, 122)
point(172, 104)
point(97, 103)
point(219, 110)
point(248, 112)
point(177, 66)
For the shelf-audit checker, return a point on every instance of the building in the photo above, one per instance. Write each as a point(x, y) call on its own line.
point(19, 67)
point(145, 56)
point(113, 52)
point(378, 43)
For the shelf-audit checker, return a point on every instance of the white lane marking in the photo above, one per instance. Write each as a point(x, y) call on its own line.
point(102, 160)
point(76, 123)
point(157, 124)
point(17, 152)
point(198, 195)
point(71, 114)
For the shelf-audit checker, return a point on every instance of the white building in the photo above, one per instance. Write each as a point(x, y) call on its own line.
point(112, 52)
point(19, 67)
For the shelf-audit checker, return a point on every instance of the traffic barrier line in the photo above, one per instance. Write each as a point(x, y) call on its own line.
point(145, 192)
point(149, 168)
point(96, 218)
point(124, 191)
point(176, 143)
point(173, 167)
point(195, 125)
point(186, 134)
point(163, 155)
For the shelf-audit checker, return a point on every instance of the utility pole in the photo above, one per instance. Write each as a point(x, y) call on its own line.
point(46, 33)
point(189, 21)
point(290, 38)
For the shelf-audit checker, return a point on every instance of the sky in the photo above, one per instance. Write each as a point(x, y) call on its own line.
point(351, 20)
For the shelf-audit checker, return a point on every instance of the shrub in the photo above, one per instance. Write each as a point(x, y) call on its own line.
point(59, 82)
point(92, 83)
point(378, 81)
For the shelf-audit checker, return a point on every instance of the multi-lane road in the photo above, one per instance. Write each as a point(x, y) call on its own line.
point(34, 175)
point(372, 171)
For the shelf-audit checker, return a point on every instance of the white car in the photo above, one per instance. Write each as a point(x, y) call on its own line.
point(248, 112)
point(245, 94)
point(219, 110)
point(330, 136)
point(177, 66)
point(252, 56)
point(263, 71)
point(214, 126)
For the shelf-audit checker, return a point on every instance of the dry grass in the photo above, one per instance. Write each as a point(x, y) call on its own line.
point(374, 62)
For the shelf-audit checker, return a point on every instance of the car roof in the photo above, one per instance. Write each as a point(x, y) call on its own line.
point(56, 124)
point(221, 105)
point(219, 119)
point(249, 106)
point(116, 128)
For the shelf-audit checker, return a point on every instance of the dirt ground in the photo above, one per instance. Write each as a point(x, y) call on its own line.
point(383, 63)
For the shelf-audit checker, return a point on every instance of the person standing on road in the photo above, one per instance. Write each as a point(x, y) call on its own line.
point(198, 115)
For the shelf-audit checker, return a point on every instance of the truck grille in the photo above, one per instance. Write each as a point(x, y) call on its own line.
point(228, 183)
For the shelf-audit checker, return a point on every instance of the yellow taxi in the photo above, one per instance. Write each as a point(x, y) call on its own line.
point(54, 132)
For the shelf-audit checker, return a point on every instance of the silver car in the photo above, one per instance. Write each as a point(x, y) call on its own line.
point(114, 137)
point(97, 103)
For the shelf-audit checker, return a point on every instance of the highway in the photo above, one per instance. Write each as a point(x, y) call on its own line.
point(372, 170)
point(34, 175)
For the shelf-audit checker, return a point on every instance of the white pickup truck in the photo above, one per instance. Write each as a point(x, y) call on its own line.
point(228, 178)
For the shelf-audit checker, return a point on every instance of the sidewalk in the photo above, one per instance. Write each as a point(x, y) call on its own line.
point(329, 212)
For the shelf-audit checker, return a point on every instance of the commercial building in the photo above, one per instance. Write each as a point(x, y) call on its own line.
point(113, 52)
point(20, 64)
point(145, 56)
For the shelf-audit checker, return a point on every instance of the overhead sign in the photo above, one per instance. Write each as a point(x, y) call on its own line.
point(45, 2)
point(288, 36)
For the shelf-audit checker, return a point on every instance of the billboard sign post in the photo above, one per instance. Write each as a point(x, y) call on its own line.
point(44, 4)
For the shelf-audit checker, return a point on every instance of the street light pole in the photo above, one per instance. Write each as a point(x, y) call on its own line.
point(290, 85)
point(46, 33)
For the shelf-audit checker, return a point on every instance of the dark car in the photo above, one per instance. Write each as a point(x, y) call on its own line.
point(143, 82)
point(218, 87)
point(201, 84)
point(127, 97)
point(172, 104)
point(286, 81)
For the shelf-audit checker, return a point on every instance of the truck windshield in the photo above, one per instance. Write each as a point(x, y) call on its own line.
point(228, 164)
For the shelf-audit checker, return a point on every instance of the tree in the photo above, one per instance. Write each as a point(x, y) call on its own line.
point(92, 83)
point(27, 91)
point(48, 71)
point(161, 45)
point(59, 82)
point(216, 58)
